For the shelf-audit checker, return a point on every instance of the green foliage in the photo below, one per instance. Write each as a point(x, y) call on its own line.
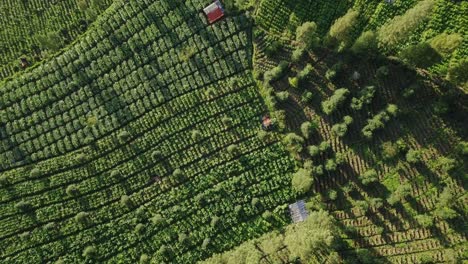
point(72, 190)
point(445, 164)
point(158, 220)
point(365, 44)
point(82, 218)
point(369, 177)
point(414, 156)
point(306, 97)
point(313, 150)
point(338, 97)
point(302, 181)
point(458, 72)
point(293, 142)
point(390, 150)
point(424, 220)
point(282, 96)
point(330, 165)
point(294, 82)
point(35, 173)
point(126, 201)
point(273, 48)
point(305, 73)
point(124, 136)
point(196, 135)
point(24, 206)
point(139, 229)
point(365, 97)
point(297, 54)
point(4, 180)
point(144, 259)
point(276, 73)
point(421, 55)
point(306, 35)
point(342, 28)
point(233, 149)
point(324, 146)
point(307, 128)
point(444, 44)
point(399, 28)
point(90, 252)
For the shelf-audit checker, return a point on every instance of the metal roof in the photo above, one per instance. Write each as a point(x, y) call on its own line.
point(298, 211)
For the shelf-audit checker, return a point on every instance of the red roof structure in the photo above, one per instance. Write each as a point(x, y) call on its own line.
point(214, 11)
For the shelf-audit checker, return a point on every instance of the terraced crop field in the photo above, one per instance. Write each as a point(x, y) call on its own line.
point(141, 132)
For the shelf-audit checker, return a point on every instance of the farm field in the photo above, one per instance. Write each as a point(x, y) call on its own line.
point(155, 133)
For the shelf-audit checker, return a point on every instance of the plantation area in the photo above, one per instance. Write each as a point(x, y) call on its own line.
point(35, 29)
point(149, 135)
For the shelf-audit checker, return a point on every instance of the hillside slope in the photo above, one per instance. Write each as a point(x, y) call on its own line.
point(139, 141)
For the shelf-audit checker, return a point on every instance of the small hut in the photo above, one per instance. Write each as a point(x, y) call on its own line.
point(266, 122)
point(298, 211)
point(214, 11)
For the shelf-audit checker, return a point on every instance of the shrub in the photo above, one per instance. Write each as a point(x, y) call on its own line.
point(365, 44)
point(144, 259)
point(90, 252)
point(445, 43)
point(35, 173)
point(158, 220)
point(462, 148)
point(196, 135)
point(306, 35)
point(389, 150)
point(233, 149)
point(302, 181)
point(340, 158)
point(294, 82)
point(330, 165)
point(313, 150)
point(298, 54)
point(156, 155)
point(307, 128)
point(369, 176)
point(4, 180)
point(324, 146)
point(282, 96)
point(72, 190)
point(139, 229)
point(206, 243)
point(24, 206)
point(126, 201)
point(425, 220)
point(307, 97)
point(238, 210)
point(227, 121)
point(124, 136)
point(413, 156)
point(267, 215)
point(82, 218)
point(392, 110)
point(293, 142)
point(334, 101)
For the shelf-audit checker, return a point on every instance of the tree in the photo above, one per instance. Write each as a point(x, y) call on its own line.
point(298, 54)
point(282, 96)
point(338, 97)
point(389, 150)
point(139, 229)
point(445, 43)
point(233, 149)
point(227, 121)
point(293, 142)
point(24, 206)
point(82, 217)
point(313, 150)
point(458, 72)
point(72, 190)
point(158, 220)
point(35, 173)
point(307, 128)
point(90, 252)
point(340, 129)
point(306, 35)
point(420, 55)
point(124, 136)
point(324, 146)
point(156, 155)
point(413, 156)
point(342, 27)
point(445, 164)
point(4, 180)
point(366, 43)
point(330, 165)
point(399, 28)
point(125, 201)
point(302, 181)
point(206, 243)
point(369, 176)
point(196, 135)
point(424, 220)
point(144, 259)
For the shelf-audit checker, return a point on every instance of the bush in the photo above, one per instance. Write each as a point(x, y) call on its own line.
point(126, 201)
point(90, 252)
point(413, 156)
point(282, 96)
point(313, 150)
point(462, 148)
point(324, 146)
point(139, 229)
point(293, 142)
point(24, 206)
point(35, 173)
point(124, 136)
point(302, 181)
point(330, 165)
point(363, 205)
point(445, 43)
point(365, 97)
point(72, 190)
point(334, 101)
point(307, 128)
point(115, 174)
point(376, 122)
point(368, 177)
point(392, 110)
point(196, 135)
point(425, 220)
point(82, 218)
point(144, 259)
point(233, 149)
point(81, 158)
point(445, 213)
point(183, 239)
point(365, 44)
point(298, 54)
